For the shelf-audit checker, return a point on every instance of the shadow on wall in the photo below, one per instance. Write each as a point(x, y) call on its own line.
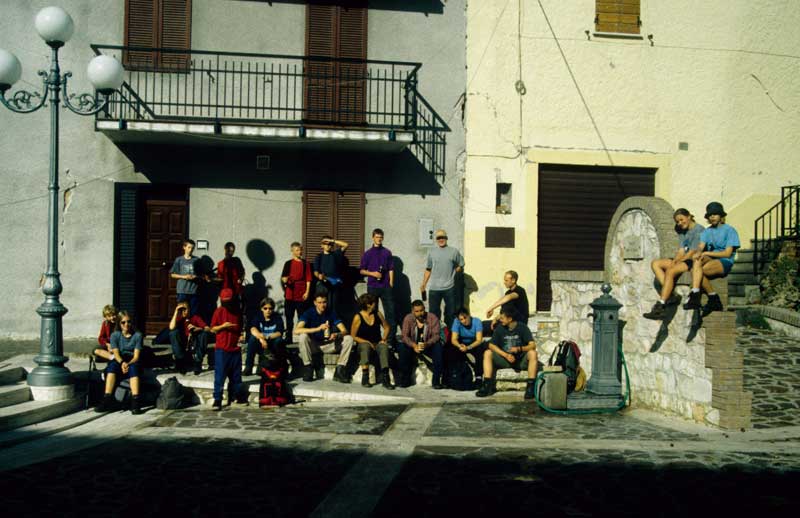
point(394, 173)
point(401, 292)
point(262, 255)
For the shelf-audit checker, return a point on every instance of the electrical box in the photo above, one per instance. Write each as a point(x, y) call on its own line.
point(425, 231)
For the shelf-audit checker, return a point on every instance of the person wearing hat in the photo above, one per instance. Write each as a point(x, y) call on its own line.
point(442, 264)
point(715, 256)
point(227, 325)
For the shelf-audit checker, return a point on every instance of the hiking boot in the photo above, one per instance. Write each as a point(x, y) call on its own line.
point(217, 405)
point(180, 366)
point(714, 304)
point(487, 389)
point(308, 373)
point(136, 406)
point(693, 302)
point(106, 404)
point(341, 374)
point(198, 368)
point(530, 389)
point(320, 371)
point(657, 313)
point(248, 371)
point(387, 383)
point(673, 299)
point(365, 378)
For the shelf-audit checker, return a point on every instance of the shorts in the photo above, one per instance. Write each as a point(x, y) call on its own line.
point(114, 367)
point(520, 364)
point(727, 264)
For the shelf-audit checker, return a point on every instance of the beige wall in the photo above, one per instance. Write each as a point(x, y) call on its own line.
point(720, 77)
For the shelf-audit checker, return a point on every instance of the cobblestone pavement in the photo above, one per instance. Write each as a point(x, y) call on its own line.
point(771, 363)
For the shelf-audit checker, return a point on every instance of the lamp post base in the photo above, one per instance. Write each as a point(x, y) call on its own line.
point(50, 371)
point(59, 393)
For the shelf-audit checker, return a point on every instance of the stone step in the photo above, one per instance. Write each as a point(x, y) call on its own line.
point(31, 412)
point(12, 375)
point(741, 278)
point(39, 430)
point(13, 394)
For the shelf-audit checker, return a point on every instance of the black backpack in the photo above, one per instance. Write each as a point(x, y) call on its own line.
point(459, 375)
point(171, 396)
point(567, 356)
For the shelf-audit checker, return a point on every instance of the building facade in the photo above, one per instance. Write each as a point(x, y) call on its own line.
point(573, 106)
point(259, 123)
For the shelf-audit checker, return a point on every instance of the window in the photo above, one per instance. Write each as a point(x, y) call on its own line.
point(502, 201)
point(340, 215)
point(617, 16)
point(157, 24)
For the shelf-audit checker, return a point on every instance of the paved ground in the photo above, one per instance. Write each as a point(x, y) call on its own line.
point(421, 457)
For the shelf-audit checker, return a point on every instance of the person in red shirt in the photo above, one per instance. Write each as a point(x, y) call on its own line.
point(296, 279)
point(227, 325)
point(109, 325)
point(230, 271)
point(183, 329)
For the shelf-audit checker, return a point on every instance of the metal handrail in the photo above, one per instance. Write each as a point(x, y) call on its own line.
point(779, 224)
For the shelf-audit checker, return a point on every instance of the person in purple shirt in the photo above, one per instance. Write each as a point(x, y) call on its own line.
point(377, 265)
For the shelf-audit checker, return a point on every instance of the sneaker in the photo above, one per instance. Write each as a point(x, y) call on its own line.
point(217, 405)
point(198, 368)
point(657, 313)
point(530, 390)
point(714, 304)
point(106, 404)
point(674, 299)
point(308, 373)
point(487, 389)
point(320, 372)
point(365, 378)
point(136, 407)
point(248, 371)
point(385, 381)
point(693, 302)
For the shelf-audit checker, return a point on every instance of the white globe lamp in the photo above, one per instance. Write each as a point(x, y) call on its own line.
point(54, 25)
point(10, 70)
point(105, 73)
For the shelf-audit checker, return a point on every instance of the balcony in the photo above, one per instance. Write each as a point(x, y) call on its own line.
point(318, 102)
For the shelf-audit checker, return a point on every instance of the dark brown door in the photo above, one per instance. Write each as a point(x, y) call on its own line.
point(576, 205)
point(165, 228)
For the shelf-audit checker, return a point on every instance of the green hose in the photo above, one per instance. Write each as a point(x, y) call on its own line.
point(584, 411)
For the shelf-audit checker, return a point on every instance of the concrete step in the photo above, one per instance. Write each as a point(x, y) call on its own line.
point(30, 412)
point(45, 428)
point(13, 394)
point(744, 255)
point(741, 278)
point(12, 375)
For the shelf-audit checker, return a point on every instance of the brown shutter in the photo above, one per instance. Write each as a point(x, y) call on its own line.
point(337, 215)
point(320, 41)
point(352, 44)
point(140, 31)
point(620, 16)
point(350, 224)
point(175, 17)
point(318, 219)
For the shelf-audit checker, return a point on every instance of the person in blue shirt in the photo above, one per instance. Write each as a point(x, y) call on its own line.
point(266, 334)
point(466, 337)
point(667, 270)
point(715, 256)
point(319, 331)
point(126, 346)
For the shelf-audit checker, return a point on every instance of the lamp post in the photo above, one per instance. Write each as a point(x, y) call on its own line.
point(55, 26)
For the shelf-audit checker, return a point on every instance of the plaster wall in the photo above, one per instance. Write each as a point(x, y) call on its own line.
point(719, 76)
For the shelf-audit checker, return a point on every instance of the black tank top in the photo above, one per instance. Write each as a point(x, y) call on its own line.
point(370, 332)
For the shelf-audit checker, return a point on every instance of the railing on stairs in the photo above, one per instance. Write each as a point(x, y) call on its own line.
point(778, 225)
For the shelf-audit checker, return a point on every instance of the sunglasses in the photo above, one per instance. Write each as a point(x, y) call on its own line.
point(125, 322)
point(441, 238)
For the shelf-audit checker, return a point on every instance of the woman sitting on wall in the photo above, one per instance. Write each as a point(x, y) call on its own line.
point(126, 346)
point(667, 270)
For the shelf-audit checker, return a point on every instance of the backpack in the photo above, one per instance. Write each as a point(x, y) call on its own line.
point(274, 390)
point(567, 355)
point(458, 375)
point(171, 396)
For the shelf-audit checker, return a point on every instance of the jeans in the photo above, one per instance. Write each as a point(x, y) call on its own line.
point(227, 365)
point(386, 298)
point(276, 346)
point(365, 350)
point(290, 308)
point(453, 355)
point(435, 304)
point(178, 342)
point(408, 356)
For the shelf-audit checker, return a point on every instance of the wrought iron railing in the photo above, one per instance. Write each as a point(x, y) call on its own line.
point(271, 89)
point(781, 223)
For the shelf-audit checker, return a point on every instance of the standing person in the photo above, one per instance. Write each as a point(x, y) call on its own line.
point(107, 328)
point(420, 335)
point(466, 337)
point(370, 330)
point(266, 334)
point(319, 331)
point(441, 266)
point(514, 295)
point(715, 256)
point(329, 268)
point(667, 270)
point(227, 325)
point(296, 280)
point(377, 264)
point(184, 270)
point(512, 347)
point(184, 327)
point(230, 271)
point(126, 345)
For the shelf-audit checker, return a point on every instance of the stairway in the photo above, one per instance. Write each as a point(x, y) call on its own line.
point(18, 409)
point(743, 288)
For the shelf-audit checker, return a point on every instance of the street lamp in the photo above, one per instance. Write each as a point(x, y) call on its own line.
point(55, 26)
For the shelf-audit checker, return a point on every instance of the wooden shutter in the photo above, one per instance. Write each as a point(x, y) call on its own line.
point(157, 24)
point(175, 17)
point(337, 215)
point(350, 224)
point(125, 270)
point(140, 31)
point(320, 42)
point(620, 16)
point(352, 76)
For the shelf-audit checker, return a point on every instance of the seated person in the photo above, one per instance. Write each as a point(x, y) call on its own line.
point(266, 334)
point(126, 345)
point(319, 331)
point(466, 337)
point(512, 347)
point(108, 326)
point(420, 335)
point(667, 270)
point(182, 329)
point(715, 256)
point(371, 331)
point(514, 295)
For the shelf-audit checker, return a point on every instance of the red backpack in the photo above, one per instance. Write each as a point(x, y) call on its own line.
point(274, 390)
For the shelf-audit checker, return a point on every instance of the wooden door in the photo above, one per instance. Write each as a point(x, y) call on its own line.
point(165, 222)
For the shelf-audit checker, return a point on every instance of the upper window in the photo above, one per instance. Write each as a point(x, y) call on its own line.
point(617, 16)
point(158, 24)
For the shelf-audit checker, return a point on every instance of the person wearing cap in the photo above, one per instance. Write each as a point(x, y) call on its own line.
point(442, 264)
point(227, 325)
point(715, 256)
